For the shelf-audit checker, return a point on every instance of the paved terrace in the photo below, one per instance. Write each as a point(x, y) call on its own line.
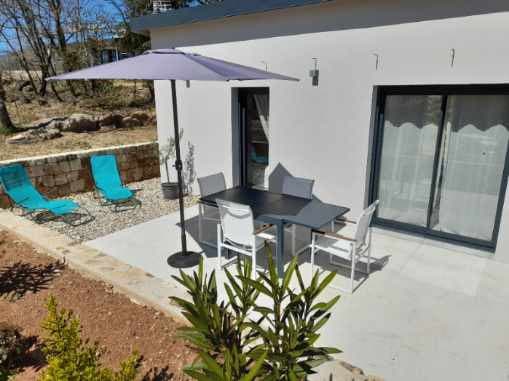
point(432, 312)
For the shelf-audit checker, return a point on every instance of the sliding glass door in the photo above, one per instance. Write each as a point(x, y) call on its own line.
point(441, 160)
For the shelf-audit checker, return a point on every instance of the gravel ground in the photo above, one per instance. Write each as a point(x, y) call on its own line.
point(106, 221)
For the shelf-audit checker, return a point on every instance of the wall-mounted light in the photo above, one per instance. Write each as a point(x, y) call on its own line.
point(188, 84)
point(315, 73)
point(377, 60)
point(453, 56)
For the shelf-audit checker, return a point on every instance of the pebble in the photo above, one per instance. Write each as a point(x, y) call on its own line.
point(106, 221)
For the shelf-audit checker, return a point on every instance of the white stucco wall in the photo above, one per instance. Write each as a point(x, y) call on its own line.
point(324, 132)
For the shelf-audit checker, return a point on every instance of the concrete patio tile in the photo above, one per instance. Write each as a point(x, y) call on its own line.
point(446, 269)
point(494, 284)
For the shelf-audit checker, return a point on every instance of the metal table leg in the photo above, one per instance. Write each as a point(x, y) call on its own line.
point(280, 248)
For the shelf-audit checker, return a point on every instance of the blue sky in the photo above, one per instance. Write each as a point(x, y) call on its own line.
point(105, 5)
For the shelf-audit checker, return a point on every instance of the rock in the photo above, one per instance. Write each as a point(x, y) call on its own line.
point(43, 122)
point(35, 135)
point(142, 116)
point(80, 123)
point(57, 124)
point(129, 121)
point(340, 371)
point(22, 138)
point(109, 120)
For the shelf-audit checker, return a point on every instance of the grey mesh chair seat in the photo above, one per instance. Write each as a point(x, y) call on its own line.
point(298, 187)
point(209, 185)
point(259, 244)
point(210, 212)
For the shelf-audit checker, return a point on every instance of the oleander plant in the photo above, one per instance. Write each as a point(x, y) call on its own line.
point(265, 329)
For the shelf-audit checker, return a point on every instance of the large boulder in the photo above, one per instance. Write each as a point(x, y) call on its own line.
point(129, 121)
point(35, 135)
point(142, 116)
point(80, 123)
point(109, 120)
point(43, 122)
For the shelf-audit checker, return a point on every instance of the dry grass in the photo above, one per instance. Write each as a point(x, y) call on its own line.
point(121, 98)
point(75, 142)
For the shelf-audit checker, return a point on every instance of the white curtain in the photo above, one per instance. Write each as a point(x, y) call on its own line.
point(471, 165)
point(262, 105)
point(409, 140)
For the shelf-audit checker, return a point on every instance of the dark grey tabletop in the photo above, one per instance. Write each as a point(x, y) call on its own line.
point(278, 208)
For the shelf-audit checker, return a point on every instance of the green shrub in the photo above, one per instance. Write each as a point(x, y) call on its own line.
point(71, 359)
point(12, 346)
point(277, 345)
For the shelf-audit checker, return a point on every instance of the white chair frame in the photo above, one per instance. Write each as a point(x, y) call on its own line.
point(359, 248)
point(249, 250)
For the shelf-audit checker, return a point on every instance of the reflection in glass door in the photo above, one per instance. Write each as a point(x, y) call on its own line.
point(410, 133)
point(471, 165)
point(441, 161)
point(254, 108)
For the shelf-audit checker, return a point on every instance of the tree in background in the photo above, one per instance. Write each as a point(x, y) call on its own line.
point(40, 34)
point(6, 125)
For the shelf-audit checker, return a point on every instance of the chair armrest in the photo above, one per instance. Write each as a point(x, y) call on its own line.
point(262, 228)
point(346, 220)
point(333, 235)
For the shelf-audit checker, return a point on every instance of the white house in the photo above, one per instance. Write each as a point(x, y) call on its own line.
point(411, 105)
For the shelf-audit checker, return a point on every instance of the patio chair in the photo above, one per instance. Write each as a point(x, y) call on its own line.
point(209, 185)
point(352, 249)
point(21, 192)
point(109, 185)
point(298, 187)
point(237, 232)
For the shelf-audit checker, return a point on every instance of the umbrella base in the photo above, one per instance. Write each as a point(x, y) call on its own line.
point(183, 260)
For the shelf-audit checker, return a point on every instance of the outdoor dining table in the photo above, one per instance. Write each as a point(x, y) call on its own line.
point(279, 210)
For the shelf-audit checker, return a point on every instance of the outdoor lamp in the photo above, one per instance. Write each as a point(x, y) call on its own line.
point(314, 73)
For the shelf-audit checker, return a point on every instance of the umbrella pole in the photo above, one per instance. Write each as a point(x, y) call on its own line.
point(183, 258)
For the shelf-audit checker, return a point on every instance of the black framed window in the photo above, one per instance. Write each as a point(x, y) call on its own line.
point(441, 160)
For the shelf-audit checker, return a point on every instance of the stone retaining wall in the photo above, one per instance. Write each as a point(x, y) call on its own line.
point(64, 174)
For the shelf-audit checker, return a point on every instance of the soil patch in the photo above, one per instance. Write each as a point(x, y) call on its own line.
point(28, 277)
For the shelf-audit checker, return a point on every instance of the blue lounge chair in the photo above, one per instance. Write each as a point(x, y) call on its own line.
point(108, 182)
point(17, 185)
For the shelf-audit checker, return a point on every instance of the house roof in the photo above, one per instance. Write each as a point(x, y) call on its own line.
point(214, 11)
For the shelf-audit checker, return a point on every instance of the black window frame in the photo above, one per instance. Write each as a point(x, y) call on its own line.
point(377, 143)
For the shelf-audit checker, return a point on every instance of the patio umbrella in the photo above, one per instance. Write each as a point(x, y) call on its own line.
point(173, 65)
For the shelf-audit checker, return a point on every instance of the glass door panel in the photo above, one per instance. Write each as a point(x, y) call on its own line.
point(471, 165)
point(410, 130)
point(255, 145)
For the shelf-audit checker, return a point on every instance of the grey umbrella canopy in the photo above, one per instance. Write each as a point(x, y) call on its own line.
point(174, 65)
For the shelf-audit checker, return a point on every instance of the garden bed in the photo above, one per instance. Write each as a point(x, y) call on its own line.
point(28, 278)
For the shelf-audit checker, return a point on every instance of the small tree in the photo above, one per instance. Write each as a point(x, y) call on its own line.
point(243, 339)
point(71, 359)
point(167, 153)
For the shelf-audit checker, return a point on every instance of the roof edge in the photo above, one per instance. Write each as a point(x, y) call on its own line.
point(214, 11)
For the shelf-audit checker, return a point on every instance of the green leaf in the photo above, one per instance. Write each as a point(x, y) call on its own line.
point(289, 273)
point(254, 371)
point(211, 365)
